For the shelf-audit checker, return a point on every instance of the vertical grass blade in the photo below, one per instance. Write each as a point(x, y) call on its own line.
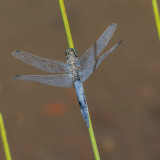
point(156, 14)
point(66, 24)
point(70, 42)
point(93, 141)
point(4, 139)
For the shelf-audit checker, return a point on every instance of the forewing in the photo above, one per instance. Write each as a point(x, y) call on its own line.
point(59, 80)
point(90, 56)
point(98, 62)
point(88, 71)
point(44, 64)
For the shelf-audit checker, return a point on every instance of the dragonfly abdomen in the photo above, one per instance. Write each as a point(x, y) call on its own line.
point(82, 100)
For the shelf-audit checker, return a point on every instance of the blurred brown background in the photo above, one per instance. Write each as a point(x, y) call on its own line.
point(44, 122)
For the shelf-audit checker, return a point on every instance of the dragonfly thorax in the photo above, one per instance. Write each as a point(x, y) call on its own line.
point(72, 61)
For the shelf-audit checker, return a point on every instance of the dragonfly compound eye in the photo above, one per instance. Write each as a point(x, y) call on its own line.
point(71, 51)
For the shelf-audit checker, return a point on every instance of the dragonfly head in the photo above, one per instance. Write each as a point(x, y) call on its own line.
point(71, 52)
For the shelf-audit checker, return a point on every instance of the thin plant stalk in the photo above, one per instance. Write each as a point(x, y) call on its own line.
point(93, 141)
point(156, 14)
point(71, 45)
point(4, 139)
point(66, 24)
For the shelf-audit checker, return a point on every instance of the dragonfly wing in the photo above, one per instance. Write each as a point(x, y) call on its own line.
point(59, 80)
point(98, 62)
point(88, 71)
point(90, 56)
point(44, 64)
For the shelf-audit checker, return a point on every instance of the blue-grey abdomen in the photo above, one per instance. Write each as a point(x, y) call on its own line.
point(82, 100)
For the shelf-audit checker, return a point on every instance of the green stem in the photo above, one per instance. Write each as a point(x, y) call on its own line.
point(156, 14)
point(4, 139)
point(93, 141)
point(70, 42)
point(66, 24)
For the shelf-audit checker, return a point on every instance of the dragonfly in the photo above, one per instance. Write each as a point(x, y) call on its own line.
point(74, 72)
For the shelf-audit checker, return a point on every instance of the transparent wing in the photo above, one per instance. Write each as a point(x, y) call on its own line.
point(88, 71)
point(98, 62)
point(90, 56)
point(44, 64)
point(59, 80)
